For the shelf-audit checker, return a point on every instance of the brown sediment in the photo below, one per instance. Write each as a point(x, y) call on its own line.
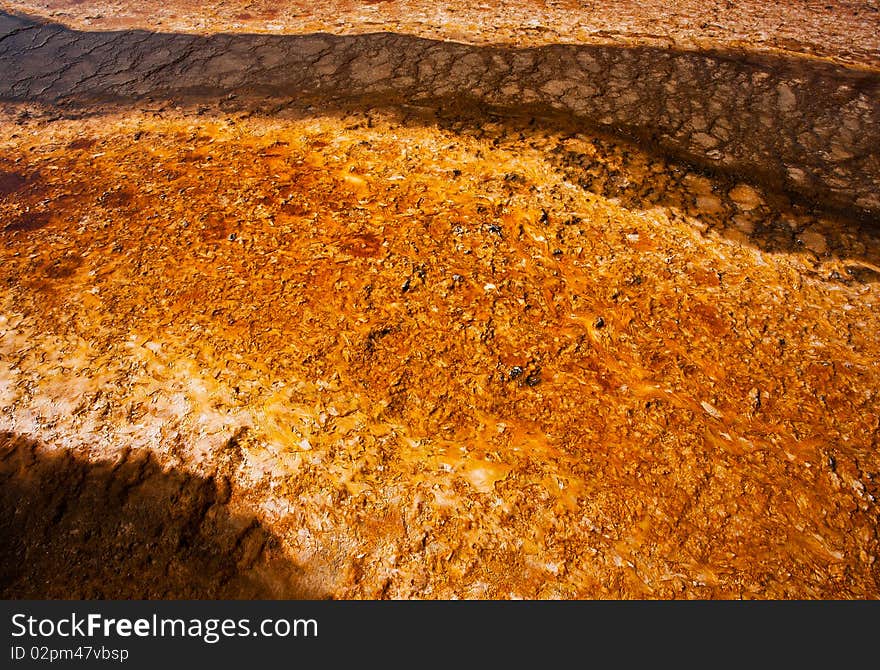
point(10, 182)
point(434, 348)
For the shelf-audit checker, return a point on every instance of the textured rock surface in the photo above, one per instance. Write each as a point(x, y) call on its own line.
point(803, 125)
point(438, 355)
point(302, 310)
point(841, 30)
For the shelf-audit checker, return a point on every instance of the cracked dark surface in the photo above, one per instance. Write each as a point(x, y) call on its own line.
point(808, 127)
point(843, 31)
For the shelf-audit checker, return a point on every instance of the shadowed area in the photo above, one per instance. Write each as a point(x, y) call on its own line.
point(72, 529)
point(806, 126)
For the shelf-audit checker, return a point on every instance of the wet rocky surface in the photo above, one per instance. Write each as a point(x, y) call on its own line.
point(843, 31)
point(805, 126)
point(325, 340)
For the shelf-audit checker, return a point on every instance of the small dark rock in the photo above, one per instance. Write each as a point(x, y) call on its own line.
point(515, 372)
point(600, 323)
point(545, 217)
point(534, 378)
point(755, 398)
point(232, 237)
point(407, 285)
point(495, 229)
point(863, 275)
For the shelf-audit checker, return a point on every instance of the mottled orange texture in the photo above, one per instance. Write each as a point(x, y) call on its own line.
point(406, 299)
point(443, 354)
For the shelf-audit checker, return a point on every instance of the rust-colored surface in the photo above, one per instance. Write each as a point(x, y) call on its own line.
point(335, 348)
point(446, 369)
